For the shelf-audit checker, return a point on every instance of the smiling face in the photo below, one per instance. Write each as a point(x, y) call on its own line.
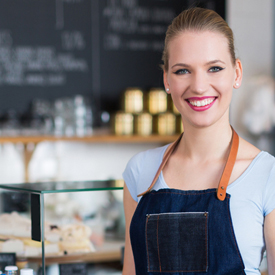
point(201, 77)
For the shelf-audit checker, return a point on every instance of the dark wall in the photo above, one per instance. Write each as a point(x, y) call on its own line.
point(97, 48)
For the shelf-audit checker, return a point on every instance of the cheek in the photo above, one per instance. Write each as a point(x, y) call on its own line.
point(225, 84)
point(178, 86)
point(229, 85)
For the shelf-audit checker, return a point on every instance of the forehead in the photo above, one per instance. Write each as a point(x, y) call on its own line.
point(194, 46)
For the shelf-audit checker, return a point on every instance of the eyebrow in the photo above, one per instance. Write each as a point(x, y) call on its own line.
point(208, 63)
point(214, 61)
point(180, 64)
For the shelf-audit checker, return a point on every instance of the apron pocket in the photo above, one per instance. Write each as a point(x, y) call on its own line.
point(177, 242)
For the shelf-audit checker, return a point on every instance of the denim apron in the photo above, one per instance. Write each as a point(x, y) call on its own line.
point(186, 232)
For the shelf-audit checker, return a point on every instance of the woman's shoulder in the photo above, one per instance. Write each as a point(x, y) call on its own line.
point(247, 151)
point(149, 156)
point(141, 168)
point(253, 159)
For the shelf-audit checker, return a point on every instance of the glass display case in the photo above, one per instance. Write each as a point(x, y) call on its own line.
point(56, 222)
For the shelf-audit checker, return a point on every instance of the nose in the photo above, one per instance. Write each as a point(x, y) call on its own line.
point(199, 82)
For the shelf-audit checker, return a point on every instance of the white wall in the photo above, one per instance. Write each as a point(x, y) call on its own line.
point(253, 26)
point(72, 161)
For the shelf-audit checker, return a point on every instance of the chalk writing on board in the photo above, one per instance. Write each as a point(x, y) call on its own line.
point(126, 19)
point(73, 40)
point(40, 65)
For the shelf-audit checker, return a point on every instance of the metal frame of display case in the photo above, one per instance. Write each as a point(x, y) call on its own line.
point(37, 192)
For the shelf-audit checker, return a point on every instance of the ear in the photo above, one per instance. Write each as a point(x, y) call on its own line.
point(238, 74)
point(165, 82)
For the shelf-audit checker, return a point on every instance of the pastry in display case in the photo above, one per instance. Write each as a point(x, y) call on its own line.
point(15, 235)
point(38, 236)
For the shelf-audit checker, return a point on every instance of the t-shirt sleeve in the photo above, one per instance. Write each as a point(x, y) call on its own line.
point(269, 193)
point(131, 174)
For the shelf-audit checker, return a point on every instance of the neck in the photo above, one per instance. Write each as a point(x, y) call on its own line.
point(206, 143)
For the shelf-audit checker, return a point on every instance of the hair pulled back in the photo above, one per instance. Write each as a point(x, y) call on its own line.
point(197, 19)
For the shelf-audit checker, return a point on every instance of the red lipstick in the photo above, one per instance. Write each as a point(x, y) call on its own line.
point(199, 100)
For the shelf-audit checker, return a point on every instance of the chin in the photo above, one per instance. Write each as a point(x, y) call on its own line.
point(207, 120)
point(202, 123)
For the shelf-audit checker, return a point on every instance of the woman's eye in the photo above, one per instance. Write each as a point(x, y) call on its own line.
point(181, 71)
point(215, 69)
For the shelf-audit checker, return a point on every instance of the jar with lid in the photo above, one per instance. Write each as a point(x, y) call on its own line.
point(26, 271)
point(11, 270)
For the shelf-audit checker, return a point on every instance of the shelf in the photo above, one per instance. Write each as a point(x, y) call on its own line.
point(96, 138)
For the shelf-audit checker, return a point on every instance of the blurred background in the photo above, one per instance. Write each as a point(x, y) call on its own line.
point(63, 75)
point(81, 89)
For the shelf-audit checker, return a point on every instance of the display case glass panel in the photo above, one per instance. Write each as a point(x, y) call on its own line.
point(62, 222)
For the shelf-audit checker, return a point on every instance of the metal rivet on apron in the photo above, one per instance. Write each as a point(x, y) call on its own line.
point(220, 194)
point(222, 188)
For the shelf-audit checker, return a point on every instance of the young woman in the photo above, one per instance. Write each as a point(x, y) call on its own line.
point(204, 204)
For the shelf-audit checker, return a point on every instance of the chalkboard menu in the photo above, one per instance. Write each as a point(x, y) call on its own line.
point(45, 50)
point(97, 48)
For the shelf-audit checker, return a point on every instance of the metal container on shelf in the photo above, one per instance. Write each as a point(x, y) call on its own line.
point(123, 123)
point(133, 100)
point(143, 124)
point(165, 124)
point(156, 101)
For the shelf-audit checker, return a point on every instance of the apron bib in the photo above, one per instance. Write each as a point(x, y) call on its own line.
point(186, 232)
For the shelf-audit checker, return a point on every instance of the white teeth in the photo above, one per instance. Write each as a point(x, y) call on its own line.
point(201, 103)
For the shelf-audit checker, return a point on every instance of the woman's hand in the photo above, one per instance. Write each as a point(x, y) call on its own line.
point(129, 209)
point(269, 233)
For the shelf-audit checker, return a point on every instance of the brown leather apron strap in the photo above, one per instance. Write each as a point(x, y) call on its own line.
point(221, 190)
point(166, 156)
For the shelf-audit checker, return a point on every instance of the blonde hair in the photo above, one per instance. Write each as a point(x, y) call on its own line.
point(198, 19)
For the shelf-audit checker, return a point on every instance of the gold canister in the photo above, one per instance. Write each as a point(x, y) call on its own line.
point(143, 124)
point(123, 123)
point(165, 124)
point(175, 110)
point(171, 105)
point(133, 100)
point(157, 101)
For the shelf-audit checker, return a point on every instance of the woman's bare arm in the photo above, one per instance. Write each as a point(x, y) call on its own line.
point(269, 233)
point(129, 208)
